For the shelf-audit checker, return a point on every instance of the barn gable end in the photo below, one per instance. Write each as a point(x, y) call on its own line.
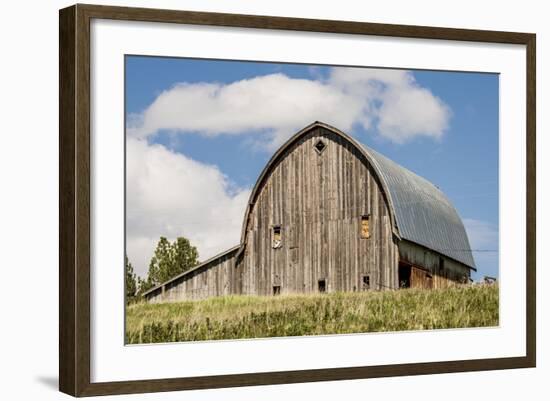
point(319, 200)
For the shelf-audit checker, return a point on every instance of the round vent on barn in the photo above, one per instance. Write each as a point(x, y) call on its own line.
point(320, 146)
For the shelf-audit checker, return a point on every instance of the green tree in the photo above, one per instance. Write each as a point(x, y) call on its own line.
point(143, 286)
point(185, 255)
point(160, 262)
point(169, 260)
point(130, 280)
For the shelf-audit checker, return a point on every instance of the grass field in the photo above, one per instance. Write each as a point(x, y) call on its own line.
point(234, 317)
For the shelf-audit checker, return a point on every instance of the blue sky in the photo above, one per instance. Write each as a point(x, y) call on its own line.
point(441, 125)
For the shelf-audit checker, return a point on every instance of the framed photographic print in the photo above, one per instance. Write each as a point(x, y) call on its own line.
point(250, 200)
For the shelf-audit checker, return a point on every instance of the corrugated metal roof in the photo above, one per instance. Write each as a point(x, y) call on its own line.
point(423, 214)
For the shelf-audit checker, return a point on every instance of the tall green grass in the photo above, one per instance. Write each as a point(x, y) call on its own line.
point(235, 317)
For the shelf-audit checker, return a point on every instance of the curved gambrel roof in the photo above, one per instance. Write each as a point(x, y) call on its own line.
point(420, 212)
point(423, 213)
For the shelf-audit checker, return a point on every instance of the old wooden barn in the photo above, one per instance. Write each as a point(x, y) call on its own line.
point(329, 214)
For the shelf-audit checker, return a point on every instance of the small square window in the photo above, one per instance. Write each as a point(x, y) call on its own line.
point(365, 229)
point(276, 290)
point(365, 282)
point(277, 237)
point(320, 146)
point(323, 285)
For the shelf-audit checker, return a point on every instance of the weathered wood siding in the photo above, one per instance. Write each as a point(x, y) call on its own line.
point(214, 278)
point(318, 199)
point(426, 267)
point(421, 278)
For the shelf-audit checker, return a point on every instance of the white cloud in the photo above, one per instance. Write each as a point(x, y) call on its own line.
point(401, 108)
point(276, 106)
point(172, 195)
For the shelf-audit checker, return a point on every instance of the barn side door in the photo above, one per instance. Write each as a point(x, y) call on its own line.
point(404, 275)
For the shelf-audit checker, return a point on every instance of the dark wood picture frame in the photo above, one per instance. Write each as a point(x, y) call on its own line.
point(74, 199)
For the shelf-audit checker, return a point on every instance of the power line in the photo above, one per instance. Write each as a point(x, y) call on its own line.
point(468, 250)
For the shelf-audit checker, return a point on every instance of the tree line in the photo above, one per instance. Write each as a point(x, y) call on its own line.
point(169, 260)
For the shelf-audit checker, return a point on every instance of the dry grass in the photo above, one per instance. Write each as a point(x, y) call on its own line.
point(235, 317)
